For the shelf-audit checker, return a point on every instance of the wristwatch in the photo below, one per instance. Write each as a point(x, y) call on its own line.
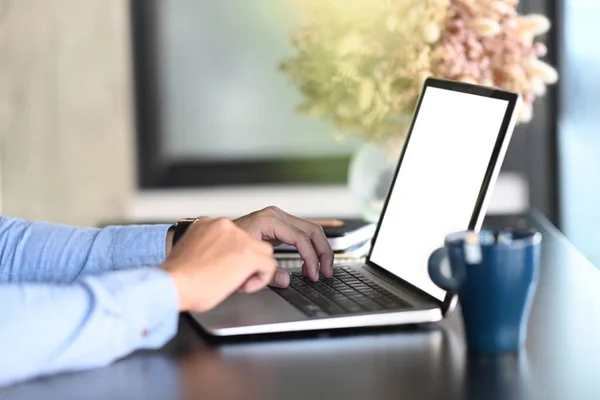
point(180, 227)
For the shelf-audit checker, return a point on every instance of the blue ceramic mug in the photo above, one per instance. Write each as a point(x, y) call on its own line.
point(494, 274)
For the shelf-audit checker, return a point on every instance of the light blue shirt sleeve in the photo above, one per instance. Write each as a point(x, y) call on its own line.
point(45, 252)
point(78, 298)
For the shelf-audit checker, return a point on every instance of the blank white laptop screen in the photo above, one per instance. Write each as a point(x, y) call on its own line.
point(439, 180)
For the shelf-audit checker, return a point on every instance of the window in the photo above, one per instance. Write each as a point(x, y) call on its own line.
point(579, 137)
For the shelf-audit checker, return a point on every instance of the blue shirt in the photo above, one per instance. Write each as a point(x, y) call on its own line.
point(78, 298)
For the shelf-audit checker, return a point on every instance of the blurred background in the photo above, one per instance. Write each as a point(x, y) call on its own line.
point(151, 110)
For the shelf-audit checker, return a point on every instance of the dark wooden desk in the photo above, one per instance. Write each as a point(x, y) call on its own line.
point(561, 359)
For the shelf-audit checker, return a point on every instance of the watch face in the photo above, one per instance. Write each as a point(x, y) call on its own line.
point(180, 228)
point(186, 220)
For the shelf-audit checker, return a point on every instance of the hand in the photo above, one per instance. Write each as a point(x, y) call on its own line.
point(276, 226)
point(214, 259)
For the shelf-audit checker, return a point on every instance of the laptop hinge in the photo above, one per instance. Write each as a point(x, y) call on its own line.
point(413, 290)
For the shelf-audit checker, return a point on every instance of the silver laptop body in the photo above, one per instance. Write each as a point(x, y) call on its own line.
point(267, 311)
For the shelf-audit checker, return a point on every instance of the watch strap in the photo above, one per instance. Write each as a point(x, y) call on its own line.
point(180, 228)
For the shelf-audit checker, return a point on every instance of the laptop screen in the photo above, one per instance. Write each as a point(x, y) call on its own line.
point(439, 180)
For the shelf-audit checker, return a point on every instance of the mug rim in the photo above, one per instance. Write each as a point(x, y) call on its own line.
point(531, 237)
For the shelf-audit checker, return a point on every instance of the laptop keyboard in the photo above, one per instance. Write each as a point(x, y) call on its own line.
point(346, 293)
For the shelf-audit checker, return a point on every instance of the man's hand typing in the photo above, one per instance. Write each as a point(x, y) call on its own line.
point(214, 259)
point(277, 226)
point(217, 257)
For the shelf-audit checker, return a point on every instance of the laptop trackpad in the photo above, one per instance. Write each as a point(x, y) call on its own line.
point(264, 307)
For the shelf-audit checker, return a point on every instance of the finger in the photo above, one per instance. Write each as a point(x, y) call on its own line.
point(265, 273)
point(263, 247)
point(264, 269)
point(322, 247)
point(289, 234)
point(253, 284)
point(281, 278)
point(318, 239)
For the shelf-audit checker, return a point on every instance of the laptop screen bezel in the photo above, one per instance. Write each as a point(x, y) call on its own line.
point(491, 172)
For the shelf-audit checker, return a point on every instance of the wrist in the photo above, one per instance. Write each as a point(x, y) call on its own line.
point(191, 297)
point(182, 305)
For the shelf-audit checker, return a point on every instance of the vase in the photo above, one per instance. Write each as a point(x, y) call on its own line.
point(370, 174)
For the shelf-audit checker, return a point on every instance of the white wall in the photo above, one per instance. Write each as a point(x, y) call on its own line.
point(65, 114)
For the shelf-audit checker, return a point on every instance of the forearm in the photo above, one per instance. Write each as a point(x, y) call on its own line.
point(52, 328)
point(32, 251)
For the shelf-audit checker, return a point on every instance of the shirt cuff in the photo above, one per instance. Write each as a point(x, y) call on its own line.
point(140, 245)
point(146, 300)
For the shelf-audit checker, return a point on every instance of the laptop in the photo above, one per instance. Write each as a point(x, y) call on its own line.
point(446, 171)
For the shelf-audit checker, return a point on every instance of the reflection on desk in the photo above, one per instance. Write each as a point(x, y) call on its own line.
point(422, 363)
point(252, 370)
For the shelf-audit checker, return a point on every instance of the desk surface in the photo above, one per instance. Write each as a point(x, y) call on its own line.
point(561, 359)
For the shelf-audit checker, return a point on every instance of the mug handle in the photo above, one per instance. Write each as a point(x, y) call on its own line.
point(434, 267)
